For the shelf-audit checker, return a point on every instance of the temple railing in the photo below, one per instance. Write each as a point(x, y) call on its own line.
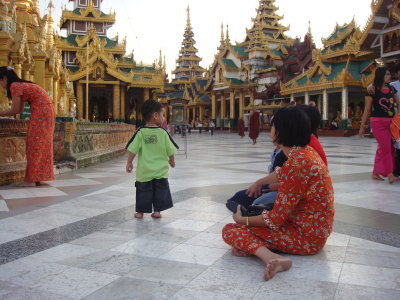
point(76, 144)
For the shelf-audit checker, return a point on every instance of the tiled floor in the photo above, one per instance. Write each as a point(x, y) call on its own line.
point(76, 238)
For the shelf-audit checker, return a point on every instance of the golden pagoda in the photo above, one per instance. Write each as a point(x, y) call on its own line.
point(109, 85)
point(188, 62)
point(189, 81)
point(337, 81)
point(243, 73)
point(27, 45)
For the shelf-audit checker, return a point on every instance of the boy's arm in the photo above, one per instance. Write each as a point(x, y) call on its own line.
point(129, 165)
point(171, 161)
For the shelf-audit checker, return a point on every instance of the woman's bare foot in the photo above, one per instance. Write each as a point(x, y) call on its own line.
point(240, 253)
point(25, 184)
point(276, 265)
point(377, 177)
point(156, 215)
point(138, 215)
point(393, 178)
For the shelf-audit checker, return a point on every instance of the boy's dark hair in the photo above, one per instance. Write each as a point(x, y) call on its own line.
point(149, 107)
point(314, 115)
point(11, 76)
point(292, 127)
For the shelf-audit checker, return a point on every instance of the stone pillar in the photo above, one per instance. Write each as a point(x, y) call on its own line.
point(306, 98)
point(345, 104)
point(325, 99)
point(201, 117)
point(241, 104)
point(232, 105)
point(292, 97)
point(18, 70)
point(116, 102)
point(146, 94)
point(213, 106)
point(194, 113)
point(26, 75)
point(123, 96)
point(55, 97)
point(223, 110)
point(40, 66)
point(79, 99)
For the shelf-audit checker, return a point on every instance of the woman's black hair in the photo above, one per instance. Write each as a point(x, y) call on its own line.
point(292, 127)
point(149, 107)
point(379, 79)
point(11, 78)
point(314, 115)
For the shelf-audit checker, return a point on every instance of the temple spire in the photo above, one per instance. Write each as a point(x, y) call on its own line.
point(309, 32)
point(222, 34)
point(227, 33)
point(188, 23)
point(50, 30)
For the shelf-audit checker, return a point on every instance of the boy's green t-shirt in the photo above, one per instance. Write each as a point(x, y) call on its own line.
point(153, 145)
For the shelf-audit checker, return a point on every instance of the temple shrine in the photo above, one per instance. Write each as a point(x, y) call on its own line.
point(248, 73)
point(108, 84)
point(188, 82)
point(27, 45)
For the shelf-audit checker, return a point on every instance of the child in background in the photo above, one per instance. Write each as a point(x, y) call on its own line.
point(155, 149)
point(395, 130)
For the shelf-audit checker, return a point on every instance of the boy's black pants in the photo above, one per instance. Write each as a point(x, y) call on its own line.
point(153, 194)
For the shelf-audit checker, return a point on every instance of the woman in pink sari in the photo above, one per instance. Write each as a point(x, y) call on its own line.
point(382, 104)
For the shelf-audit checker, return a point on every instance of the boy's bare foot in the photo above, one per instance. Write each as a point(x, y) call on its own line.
point(240, 253)
point(138, 215)
point(377, 177)
point(276, 265)
point(156, 215)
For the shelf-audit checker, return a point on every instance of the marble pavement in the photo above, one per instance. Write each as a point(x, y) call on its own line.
point(76, 238)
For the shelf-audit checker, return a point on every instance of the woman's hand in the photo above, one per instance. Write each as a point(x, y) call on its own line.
point(361, 132)
point(238, 217)
point(254, 190)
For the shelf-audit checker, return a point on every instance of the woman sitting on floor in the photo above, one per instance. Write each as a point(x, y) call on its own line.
point(302, 217)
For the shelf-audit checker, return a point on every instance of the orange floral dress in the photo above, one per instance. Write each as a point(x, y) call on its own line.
point(39, 140)
point(302, 217)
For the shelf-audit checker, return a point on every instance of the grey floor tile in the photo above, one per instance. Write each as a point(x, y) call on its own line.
point(357, 292)
point(129, 288)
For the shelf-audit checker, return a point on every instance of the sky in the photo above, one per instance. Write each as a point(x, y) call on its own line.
point(152, 25)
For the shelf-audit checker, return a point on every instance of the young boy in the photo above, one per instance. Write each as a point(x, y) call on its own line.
point(155, 149)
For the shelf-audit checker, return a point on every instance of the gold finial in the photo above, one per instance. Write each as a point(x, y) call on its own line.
point(227, 33)
point(222, 33)
point(165, 65)
point(188, 24)
point(160, 62)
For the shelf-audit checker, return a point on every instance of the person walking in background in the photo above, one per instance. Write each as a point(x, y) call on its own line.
point(155, 149)
point(382, 103)
point(254, 125)
point(212, 127)
point(241, 128)
point(39, 139)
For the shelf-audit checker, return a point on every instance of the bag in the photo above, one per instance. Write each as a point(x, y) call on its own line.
point(251, 211)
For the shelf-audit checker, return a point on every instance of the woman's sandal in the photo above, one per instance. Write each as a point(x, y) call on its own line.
point(156, 215)
point(138, 215)
point(377, 177)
